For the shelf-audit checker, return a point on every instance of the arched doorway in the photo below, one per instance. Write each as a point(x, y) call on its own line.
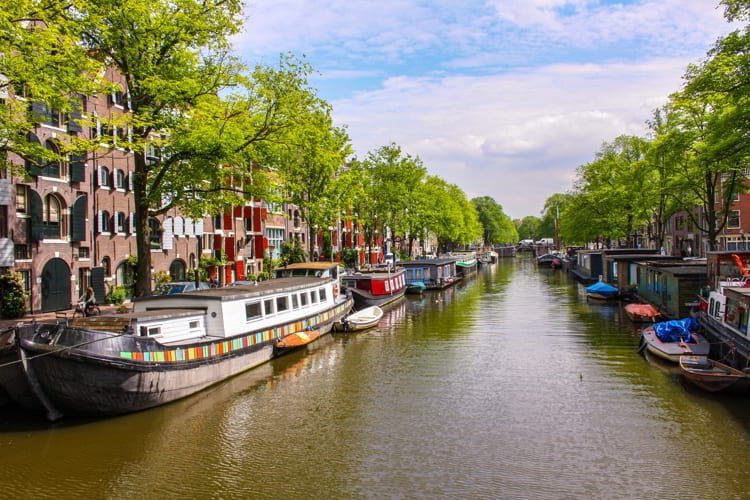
point(55, 286)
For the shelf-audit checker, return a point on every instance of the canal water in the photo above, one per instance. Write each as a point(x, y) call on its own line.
point(508, 386)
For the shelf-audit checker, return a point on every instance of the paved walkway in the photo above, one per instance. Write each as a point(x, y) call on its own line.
point(52, 316)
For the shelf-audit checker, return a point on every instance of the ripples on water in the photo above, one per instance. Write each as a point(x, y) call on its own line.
point(508, 386)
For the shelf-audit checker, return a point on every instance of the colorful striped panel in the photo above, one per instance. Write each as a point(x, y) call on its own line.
point(221, 348)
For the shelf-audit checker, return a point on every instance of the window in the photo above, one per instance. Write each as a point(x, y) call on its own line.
point(53, 209)
point(268, 307)
point(282, 304)
point(120, 222)
point(322, 293)
point(733, 221)
point(275, 238)
point(119, 179)
point(313, 296)
point(83, 253)
point(107, 266)
point(105, 225)
point(253, 311)
point(295, 301)
point(103, 177)
point(22, 198)
point(154, 330)
point(117, 98)
point(303, 299)
point(54, 168)
point(55, 118)
point(21, 251)
point(3, 221)
point(194, 325)
point(154, 234)
point(106, 132)
point(26, 279)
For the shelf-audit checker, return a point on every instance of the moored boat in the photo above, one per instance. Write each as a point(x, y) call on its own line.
point(377, 287)
point(433, 273)
point(295, 341)
point(712, 375)
point(415, 287)
point(171, 346)
point(601, 291)
point(643, 313)
point(466, 264)
point(671, 339)
point(362, 320)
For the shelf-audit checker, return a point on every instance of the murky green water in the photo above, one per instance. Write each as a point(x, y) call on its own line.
point(510, 386)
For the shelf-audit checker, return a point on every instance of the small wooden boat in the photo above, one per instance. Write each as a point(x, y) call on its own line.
point(713, 376)
point(361, 320)
point(643, 313)
point(295, 341)
point(678, 344)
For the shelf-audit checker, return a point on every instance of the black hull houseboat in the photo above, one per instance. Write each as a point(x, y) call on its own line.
point(170, 346)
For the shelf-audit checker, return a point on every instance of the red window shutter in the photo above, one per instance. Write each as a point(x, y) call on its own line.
point(237, 211)
point(257, 220)
point(229, 248)
point(240, 269)
point(228, 222)
point(217, 241)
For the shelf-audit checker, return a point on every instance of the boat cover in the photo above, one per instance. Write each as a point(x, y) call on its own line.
point(675, 330)
point(642, 310)
point(602, 288)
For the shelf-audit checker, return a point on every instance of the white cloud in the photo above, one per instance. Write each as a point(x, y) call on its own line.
point(518, 136)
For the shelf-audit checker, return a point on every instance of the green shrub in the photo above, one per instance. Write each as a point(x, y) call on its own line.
point(116, 295)
point(122, 309)
point(263, 276)
point(13, 295)
point(251, 277)
point(350, 257)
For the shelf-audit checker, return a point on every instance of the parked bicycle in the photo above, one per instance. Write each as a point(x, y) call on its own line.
point(81, 311)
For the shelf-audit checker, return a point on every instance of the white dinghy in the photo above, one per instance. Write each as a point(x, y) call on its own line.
point(361, 320)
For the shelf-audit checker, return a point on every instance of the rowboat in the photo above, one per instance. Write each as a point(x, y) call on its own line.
point(361, 320)
point(671, 339)
point(642, 313)
point(295, 341)
point(713, 376)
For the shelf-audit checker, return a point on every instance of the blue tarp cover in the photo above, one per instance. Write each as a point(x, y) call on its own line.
point(602, 288)
point(675, 330)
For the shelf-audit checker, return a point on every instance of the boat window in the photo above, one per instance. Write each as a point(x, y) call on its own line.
point(194, 325)
point(313, 296)
point(154, 330)
point(322, 293)
point(282, 303)
point(387, 285)
point(299, 272)
point(268, 307)
point(252, 311)
point(335, 272)
point(295, 301)
point(303, 299)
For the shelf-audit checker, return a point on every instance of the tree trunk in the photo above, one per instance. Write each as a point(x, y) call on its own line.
point(143, 266)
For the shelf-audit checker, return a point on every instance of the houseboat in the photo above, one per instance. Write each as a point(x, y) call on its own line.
point(433, 273)
point(622, 270)
point(724, 304)
point(375, 287)
point(589, 265)
point(171, 346)
point(670, 286)
point(466, 264)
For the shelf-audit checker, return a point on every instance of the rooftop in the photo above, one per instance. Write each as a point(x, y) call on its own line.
point(263, 288)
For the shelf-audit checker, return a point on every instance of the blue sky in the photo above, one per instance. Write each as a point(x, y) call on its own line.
point(502, 97)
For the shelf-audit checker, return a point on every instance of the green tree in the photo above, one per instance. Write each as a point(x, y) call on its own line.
point(529, 228)
point(496, 225)
point(44, 68)
point(292, 252)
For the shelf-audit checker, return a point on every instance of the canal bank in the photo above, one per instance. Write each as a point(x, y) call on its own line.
point(507, 385)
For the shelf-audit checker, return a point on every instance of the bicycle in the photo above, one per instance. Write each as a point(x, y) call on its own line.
point(80, 311)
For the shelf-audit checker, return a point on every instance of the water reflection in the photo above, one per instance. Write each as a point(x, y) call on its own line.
point(508, 385)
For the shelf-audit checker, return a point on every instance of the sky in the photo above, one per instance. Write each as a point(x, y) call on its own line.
point(504, 98)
